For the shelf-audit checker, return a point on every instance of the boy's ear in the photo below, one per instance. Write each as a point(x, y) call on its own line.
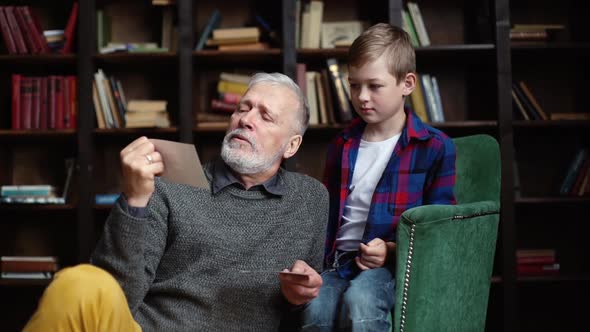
point(409, 83)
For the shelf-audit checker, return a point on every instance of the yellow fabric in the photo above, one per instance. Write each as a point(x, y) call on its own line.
point(83, 298)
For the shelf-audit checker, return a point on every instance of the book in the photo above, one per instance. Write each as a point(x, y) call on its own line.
point(70, 30)
point(213, 23)
point(335, 32)
point(528, 94)
point(236, 33)
point(24, 264)
point(418, 21)
point(141, 105)
point(337, 86)
point(6, 34)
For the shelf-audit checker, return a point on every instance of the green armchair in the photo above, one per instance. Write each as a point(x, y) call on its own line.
point(445, 253)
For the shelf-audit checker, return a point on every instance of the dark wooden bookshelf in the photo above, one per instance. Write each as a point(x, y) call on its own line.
point(471, 53)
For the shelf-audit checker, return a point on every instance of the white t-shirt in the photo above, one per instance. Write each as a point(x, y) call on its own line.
point(371, 161)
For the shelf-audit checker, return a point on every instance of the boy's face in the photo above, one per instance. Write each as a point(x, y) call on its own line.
point(376, 95)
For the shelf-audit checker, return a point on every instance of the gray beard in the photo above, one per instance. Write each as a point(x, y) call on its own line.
point(244, 162)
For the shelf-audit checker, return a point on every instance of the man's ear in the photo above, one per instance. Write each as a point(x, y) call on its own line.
point(409, 83)
point(292, 146)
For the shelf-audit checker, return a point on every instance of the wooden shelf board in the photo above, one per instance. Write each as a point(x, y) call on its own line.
point(555, 278)
point(551, 124)
point(551, 200)
point(542, 46)
point(36, 133)
point(24, 282)
point(37, 207)
point(133, 58)
point(37, 59)
point(134, 131)
point(232, 57)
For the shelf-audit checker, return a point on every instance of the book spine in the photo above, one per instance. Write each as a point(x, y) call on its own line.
point(26, 32)
point(36, 30)
point(6, 34)
point(70, 30)
point(44, 94)
point(16, 98)
point(26, 94)
point(36, 108)
point(16, 33)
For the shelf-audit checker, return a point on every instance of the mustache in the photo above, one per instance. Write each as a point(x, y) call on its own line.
point(242, 134)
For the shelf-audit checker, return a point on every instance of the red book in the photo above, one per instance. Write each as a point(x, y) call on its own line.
point(59, 102)
point(67, 112)
point(536, 260)
point(70, 30)
point(16, 33)
point(26, 102)
point(537, 269)
point(218, 105)
point(230, 98)
point(36, 108)
point(6, 34)
point(16, 81)
point(73, 82)
point(44, 119)
point(35, 28)
point(27, 33)
point(52, 114)
point(28, 264)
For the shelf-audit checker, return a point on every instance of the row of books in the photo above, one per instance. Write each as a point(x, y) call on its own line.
point(48, 102)
point(23, 34)
point(112, 109)
point(577, 176)
point(425, 100)
point(28, 267)
point(413, 24)
point(39, 193)
point(536, 262)
point(525, 105)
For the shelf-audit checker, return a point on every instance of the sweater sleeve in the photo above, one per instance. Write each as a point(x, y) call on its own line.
point(130, 247)
point(319, 204)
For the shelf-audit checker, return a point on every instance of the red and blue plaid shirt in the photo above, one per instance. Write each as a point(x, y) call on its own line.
point(421, 171)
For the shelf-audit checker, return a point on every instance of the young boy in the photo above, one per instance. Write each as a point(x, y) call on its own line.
point(386, 162)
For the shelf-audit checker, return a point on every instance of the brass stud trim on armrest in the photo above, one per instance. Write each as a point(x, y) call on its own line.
point(407, 279)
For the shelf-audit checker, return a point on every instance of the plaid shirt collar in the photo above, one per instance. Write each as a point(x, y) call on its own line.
point(414, 129)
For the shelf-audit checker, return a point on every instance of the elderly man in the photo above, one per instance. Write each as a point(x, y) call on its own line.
point(189, 258)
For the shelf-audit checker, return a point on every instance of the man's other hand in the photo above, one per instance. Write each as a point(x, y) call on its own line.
point(299, 290)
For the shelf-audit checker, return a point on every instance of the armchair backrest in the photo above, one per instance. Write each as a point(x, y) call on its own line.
point(445, 253)
point(477, 168)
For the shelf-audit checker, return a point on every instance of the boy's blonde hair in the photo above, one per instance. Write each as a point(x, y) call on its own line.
point(383, 38)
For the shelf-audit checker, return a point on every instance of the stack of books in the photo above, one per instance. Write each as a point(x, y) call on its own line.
point(28, 267)
point(147, 114)
point(230, 89)
point(536, 262)
point(230, 39)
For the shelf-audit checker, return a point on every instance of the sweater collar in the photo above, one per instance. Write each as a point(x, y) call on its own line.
point(222, 177)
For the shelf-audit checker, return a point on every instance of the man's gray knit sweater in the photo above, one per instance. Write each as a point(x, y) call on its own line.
point(207, 262)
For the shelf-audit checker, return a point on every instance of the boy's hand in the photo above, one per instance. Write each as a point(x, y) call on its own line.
point(300, 290)
point(372, 254)
point(140, 163)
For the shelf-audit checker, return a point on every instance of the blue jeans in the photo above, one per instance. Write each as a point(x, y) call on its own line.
point(361, 304)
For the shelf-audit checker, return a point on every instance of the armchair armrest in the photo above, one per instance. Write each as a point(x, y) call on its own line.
point(444, 263)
